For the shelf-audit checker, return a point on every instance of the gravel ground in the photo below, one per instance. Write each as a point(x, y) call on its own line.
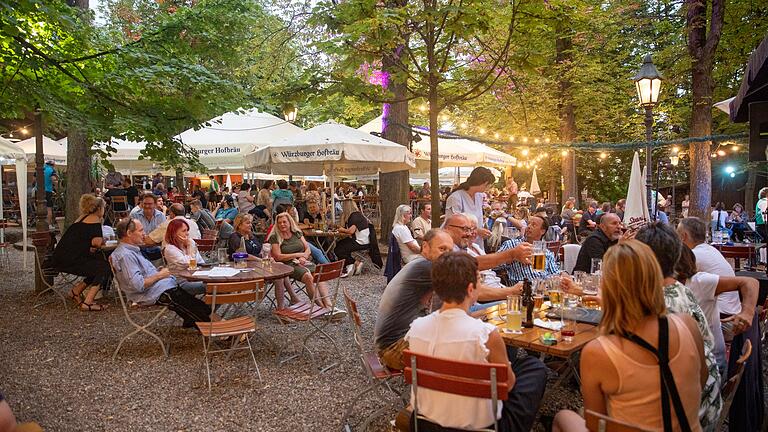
point(57, 370)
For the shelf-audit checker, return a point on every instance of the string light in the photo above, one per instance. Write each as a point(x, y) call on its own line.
point(511, 138)
point(525, 139)
point(603, 155)
point(524, 152)
point(536, 141)
point(735, 147)
point(547, 140)
point(463, 125)
point(721, 152)
point(675, 149)
point(423, 108)
point(564, 153)
point(24, 131)
point(482, 131)
point(496, 135)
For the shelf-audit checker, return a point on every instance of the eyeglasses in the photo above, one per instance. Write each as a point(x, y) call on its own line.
point(463, 228)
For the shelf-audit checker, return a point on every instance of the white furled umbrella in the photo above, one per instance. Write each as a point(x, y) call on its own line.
point(9, 153)
point(52, 150)
point(636, 210)
point(331, 149)
point(724, 105)
point(228, 183)
point(535, 189)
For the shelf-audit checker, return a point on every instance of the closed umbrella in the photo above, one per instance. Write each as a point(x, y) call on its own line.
point(535, 189)
point(636, 210)
point(229, 182)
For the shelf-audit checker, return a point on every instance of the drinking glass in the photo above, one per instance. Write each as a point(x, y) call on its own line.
point(539, 259)
point(192, 263)
point(568, 331)
point(222, 255)
point(570, 300)
point(597, 265)
point(514, 317)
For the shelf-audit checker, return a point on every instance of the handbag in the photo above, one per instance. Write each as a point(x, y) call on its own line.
point(668, 386)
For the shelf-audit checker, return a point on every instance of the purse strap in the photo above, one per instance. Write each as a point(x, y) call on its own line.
point(668, 386)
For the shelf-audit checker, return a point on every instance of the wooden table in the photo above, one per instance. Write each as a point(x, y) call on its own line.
point(255, 271)
point(329, 238)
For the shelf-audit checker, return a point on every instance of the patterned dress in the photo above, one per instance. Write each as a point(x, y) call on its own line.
point(680, 299)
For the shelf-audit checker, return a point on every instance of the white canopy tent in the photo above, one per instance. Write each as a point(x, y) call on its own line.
point(448, 175)
point(52, 150)
point(229, 137)
point(13, 153)
point(453, 151)
point(330, 149)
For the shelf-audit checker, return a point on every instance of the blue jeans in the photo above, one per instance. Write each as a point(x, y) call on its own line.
point(317, 255)
point(194, 288)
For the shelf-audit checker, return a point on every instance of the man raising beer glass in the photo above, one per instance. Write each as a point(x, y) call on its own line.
point(543, 262)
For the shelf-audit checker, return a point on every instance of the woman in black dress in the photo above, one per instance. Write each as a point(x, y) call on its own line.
point(78, 253)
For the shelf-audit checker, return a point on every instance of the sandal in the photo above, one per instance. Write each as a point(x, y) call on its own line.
point(77, 298)
point(92, 307)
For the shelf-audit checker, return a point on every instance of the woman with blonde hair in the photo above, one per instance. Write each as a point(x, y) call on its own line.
point(621, 371)
point(290, 247)
point(78, 253)
point(354, 224)
point(409, 247)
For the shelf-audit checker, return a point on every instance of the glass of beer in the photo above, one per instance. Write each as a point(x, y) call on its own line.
point(554, 293)
point(539, 260)
point(192, 263)
point(597, 266)
point(538, 300)
point(514, 317)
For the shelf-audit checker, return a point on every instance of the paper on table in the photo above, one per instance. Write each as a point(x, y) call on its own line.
point(223, 272)
point(201, 273)
point(549, 325)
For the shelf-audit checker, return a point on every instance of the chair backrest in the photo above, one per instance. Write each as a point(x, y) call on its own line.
point(728, 390)
point(354, 318)
point(570, 253)
point(210, 233)
point(205, 244)
point(328, 272)
point(120, 293)
point(233, 292)
point(597, 422)
point(119, 199)
point(480, 380)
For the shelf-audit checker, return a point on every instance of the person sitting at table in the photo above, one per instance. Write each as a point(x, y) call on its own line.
point(621, 378)
point(225, 210)
point(589, 220)
point(738, 221)
point(516, 270)
point(243, 226)
point(144, 284)
point(461, 229)
point(718, 218)
point(706, 287)
point(356, 226)
point(452, 333)
point(606, 234)
point(150, 218)
point(281, 195)
point(409, 248)
point(245, 199)
point(78, 253)
point(290, 247)
point(318, 256)
point(423, 223)
point(161, 205)
point(202, 217)
point(313, 214)
point(666, 246)
point(176, 212)
point(179, 249)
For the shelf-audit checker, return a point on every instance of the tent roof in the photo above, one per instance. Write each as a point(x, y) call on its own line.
point(250, 128)
point(52, 149)
point(10, 150)
point(754, 86)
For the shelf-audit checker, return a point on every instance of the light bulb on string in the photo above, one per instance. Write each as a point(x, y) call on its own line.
point(423, 108)
point(735, 148)
point(524, 152)
point(525, 139)
point(511, 138)
point(714, 155)
point(482, 131)
point(603, 155)
point(564, 153)
point(463, 125)
point(547, 140)
point(496, 135)
point(675, 149)
point(24, 131)
point(536, 140)
point(721, 152)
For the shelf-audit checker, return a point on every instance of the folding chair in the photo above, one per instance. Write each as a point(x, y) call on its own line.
point(210, 234)
point(119, 207)
point(365, 257)
point(237, 329)
point(597, 422)
point(377, 375)
point(310, 312)
point(49, 275)
point(480, 380)
point(206, 247)
point(728, 390)
point(140, 318)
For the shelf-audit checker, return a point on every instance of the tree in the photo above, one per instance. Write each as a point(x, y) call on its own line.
point(702, 46)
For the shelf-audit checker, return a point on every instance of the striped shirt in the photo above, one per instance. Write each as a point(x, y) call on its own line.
point(518, 271)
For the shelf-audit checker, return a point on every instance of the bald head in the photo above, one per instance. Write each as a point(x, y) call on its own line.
point(460, 229)
point(177, 209)
point(436, 242)
point(610, 225)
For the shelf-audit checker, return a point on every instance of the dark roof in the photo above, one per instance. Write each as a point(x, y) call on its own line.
point(754, 86)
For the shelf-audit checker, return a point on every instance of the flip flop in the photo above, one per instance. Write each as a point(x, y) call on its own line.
point(93, 307)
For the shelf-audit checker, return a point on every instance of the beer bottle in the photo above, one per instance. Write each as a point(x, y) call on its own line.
point(528, 303)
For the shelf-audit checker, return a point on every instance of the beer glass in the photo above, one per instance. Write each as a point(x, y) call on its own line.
point(597, 265)
point(539, 259)
point(192, 263)
point(222, 255)
point(514, 317)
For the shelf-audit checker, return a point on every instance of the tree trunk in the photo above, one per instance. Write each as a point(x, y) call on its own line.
point(393, 187)
point(180, 181)
point(564, 58)
point(701, 49)
point(78, 179)
point(749, 189)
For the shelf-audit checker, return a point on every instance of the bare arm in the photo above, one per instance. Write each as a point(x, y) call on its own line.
point(486, 293)
point(592, 378)
point(521, 252)
point(749, 289)
point(414, 246)
point(498, 354)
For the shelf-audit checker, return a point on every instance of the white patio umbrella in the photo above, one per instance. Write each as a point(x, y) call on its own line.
point(228, 183)
point(331, 149)
point(52, 150)
point(535, 189)
point(636, 210)
point(13, 153)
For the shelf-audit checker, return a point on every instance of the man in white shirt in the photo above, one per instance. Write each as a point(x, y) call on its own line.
point(423, 223)
point(451, 333)
point(693, 233)
point(177, 211)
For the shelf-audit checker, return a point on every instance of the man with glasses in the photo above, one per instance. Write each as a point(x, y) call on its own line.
point(151, 218)
point(463, 233)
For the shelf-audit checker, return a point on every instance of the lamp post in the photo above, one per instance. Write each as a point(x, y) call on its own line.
point(674, 160)
point(648, 83)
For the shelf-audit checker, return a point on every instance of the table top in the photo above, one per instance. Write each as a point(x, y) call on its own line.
point(743, 245)
point(317, 233)
point(529, 339)
point(255, 271)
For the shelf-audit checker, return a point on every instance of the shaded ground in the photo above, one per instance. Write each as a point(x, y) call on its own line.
point(57, 369)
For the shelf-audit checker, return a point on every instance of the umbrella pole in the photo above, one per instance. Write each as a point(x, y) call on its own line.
point(2, 215)
point(333, 199)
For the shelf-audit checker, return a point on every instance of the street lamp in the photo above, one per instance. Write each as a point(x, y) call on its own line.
point(289, 112)
point(674, 160)
point(648, 83)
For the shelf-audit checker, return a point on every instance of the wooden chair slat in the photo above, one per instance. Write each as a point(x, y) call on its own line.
point(457, 385)
point(478, 371)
